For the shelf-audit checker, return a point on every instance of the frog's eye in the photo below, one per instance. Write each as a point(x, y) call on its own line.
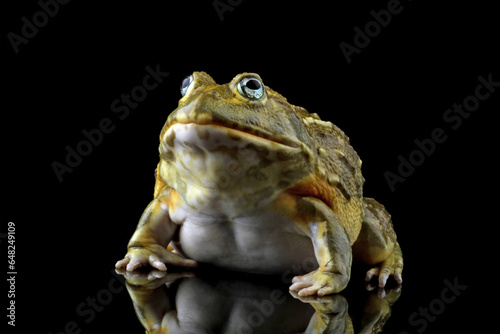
point(186, 84)
point(251, 88)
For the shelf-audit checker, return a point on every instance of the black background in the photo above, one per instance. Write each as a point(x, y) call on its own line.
point(69, 234)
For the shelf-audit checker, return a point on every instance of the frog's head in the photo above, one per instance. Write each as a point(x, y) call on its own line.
point(239, 142)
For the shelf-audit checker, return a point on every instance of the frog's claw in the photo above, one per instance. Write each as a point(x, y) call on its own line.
point(132, 262)
point(392, 266)
point(319, 282)
point(153, 279)
point(154, 256)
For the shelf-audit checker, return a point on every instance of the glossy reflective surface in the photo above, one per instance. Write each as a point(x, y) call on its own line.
point(211, 301)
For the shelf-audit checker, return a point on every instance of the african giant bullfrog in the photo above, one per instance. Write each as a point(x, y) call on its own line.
point(249, 182)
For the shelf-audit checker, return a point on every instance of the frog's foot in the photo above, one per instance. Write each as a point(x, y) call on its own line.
point(319, 282)
point(153, 279)
point(392, 266)
point(155, 256)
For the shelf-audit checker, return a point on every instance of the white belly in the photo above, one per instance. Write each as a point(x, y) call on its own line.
point(265, 243)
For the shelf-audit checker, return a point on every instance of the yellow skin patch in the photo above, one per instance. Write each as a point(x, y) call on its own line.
point(249, 182)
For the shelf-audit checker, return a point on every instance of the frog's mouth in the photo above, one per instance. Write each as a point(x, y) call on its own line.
point(207, 150)
point(204, 130)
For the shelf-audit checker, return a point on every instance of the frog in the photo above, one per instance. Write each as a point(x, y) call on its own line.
point(248, 182)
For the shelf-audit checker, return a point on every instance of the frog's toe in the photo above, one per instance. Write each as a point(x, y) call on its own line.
point(390, 267)
point(122, 263)
point(142, 260)
point(136, 262)
point(318, 283)
point(154, 256)
point(309, 289)
point(140, 257)
point(155, 262)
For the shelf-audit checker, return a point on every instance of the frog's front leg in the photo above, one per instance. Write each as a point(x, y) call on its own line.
point(332, 250)
point(148, 245)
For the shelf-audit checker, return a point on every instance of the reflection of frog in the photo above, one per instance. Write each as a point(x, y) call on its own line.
point(242, 304)
point(248, 182)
